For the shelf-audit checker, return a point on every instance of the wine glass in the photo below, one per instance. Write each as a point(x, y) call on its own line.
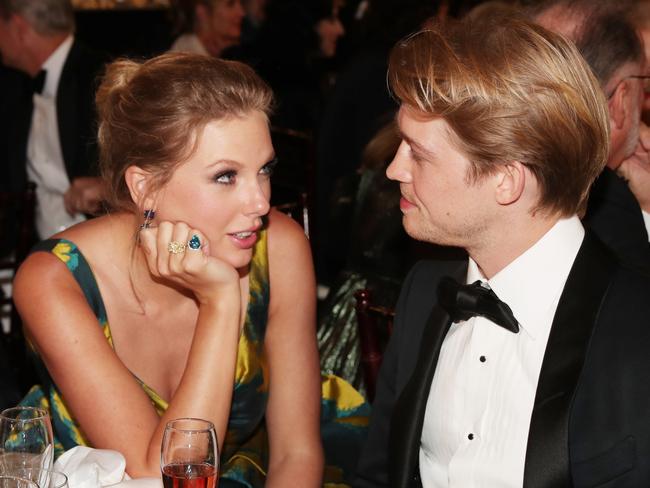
point(26, 438)
point(44, 478)
point(189, 454)
point(9, 481)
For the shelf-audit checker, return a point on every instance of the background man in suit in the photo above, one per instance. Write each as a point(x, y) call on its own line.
point(619, 205)
point(49, 124)
point(504, 128)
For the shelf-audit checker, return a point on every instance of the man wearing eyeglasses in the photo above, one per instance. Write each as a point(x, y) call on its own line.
point(619, 203)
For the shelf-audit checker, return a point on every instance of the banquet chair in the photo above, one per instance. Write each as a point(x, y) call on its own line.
point(375, 324)
point(17, 216)
point(18, 234)
point(292, 185)
point(298, 210)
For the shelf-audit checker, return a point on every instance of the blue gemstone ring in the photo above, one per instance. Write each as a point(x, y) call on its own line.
point(194, 243)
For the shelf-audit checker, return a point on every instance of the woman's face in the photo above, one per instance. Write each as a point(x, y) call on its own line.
point(329, 30)
point(222, 24)
point(223, 190)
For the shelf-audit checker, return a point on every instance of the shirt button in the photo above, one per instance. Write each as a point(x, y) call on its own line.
point(482, 359)
point(470, 436)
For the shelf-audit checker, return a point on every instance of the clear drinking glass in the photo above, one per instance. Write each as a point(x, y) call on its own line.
point(8, 481)
point(44, 478)
point(189, 454)
point(26, 438)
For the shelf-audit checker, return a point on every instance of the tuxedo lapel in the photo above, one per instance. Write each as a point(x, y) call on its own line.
point(408, 414)
point(547, 456)
point(67, 110)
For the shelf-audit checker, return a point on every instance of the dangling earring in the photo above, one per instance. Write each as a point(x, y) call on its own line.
point(149, 215)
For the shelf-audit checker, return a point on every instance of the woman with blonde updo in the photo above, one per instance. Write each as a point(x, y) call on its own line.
point(148, 313)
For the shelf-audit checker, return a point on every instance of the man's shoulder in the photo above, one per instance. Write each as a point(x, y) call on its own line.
point(427, 272)
point(419, 290)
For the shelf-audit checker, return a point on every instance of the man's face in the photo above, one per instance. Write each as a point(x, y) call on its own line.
point(10, 42)
point(439, 202)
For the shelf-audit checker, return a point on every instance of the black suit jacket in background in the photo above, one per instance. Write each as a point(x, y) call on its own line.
point(589, 425)
point(614, 215)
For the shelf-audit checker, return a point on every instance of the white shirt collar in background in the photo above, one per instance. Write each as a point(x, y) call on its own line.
point(54, 66)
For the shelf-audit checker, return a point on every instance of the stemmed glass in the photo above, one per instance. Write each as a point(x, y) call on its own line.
point(26, 438)
point(189, 454)
point(8, 481)
point(44, 478)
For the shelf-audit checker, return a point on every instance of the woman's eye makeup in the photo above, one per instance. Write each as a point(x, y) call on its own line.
point(269, 167)
point(225, 177)
point(229, 176)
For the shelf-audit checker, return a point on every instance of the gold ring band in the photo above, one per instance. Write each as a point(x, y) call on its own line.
point(176, 247)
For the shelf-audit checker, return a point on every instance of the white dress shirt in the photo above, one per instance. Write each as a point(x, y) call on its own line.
point(45, 165)
point(479, 408)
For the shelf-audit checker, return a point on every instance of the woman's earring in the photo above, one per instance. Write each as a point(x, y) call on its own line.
point(149, 215)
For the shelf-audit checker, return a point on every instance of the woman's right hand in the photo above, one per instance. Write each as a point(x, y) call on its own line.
point(207, 277)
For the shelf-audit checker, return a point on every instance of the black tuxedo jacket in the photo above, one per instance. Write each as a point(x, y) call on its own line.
point(614, 215)
point(590, 424)
point(77, 125)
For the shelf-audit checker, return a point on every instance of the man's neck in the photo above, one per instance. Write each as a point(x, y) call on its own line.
point(506, 244)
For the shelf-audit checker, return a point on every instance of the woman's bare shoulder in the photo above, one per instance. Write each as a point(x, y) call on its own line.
point(46, 270)
point(285, 234)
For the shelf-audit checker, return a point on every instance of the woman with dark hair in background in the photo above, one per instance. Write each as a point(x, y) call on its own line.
point(207, 26)
point(294, 52)
point(357, 109)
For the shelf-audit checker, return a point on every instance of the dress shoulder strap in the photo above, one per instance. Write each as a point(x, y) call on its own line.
point(71, 256)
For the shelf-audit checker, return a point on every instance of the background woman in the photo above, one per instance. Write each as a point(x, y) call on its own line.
point(207, 26)
point(143, 317)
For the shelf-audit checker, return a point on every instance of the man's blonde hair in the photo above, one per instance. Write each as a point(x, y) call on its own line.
point(510, 91)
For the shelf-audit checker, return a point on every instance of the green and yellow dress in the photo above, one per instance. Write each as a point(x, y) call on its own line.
point(244, 457)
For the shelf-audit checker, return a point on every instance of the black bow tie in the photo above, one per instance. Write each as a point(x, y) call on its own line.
point(38, 82)
point(465, 301)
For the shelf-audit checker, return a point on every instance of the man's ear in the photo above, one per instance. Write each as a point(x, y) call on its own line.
point(138, 181)
point(511, 182)
point(617, 106)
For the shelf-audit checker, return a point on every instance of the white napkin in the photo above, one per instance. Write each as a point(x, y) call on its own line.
point(91, 468)
point(97, 468)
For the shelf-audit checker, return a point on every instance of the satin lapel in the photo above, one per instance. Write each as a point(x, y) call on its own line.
point(66, 110)
point(547, 456)
point(408, 414)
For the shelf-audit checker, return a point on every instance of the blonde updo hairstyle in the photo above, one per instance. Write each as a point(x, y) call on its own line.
point(151, 114)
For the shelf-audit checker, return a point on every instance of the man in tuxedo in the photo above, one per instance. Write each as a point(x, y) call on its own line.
point(48, 123)
point(619, 205)
point(533, 374)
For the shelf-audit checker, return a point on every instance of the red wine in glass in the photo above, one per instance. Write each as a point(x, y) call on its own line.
point(189, 476)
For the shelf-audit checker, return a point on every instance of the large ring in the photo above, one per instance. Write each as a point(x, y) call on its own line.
point(194, 243)
point(176, 247)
